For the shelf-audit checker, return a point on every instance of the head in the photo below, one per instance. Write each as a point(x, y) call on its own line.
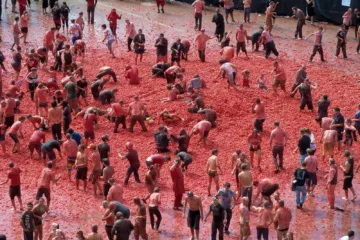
point(321, 29)
point(81, 14)
point(127, 21)
point(332, 161)
point(272, 3)
point(281, 203)
point(256, 183)
point(80, 234)
point(277, 195)
point(103, 26)
point(303, 165)
point(139, 31)
point(55, 226)
point(245, 201)
point(348, 121)
point(53, 29)
point(156, 190)
point(53, 104)
point(81, 148)
point(261, 29)
point(42, 201)
point(136, 98)
point(129, 145)
point(72, 20)
point(227, 186)
point(267, 205)
point(16, 19)
point(351, 234)
point(238, 151)
point(257, 101)
point(310, 151)
point(29, 206)
point(106, 162)
point(277, 124)
point(302, 131)
point(241, 26)
point(137, 201)
point(214, 152)
point(294, 9)
point(347, 153)
point(33, 70)
point(203, 30)
point(119, 215)
point(161, 36)
point(22, 119)
point(217, 10)
point(275, 63)
point(105, 138)
point(244, 166)
point(190, 194)
point(94, 228)
point(222, 61)
point(49, 164)
point(71, 131)
point(215, 200)
point(11, 164)
point(343, 27)
point(336, 111)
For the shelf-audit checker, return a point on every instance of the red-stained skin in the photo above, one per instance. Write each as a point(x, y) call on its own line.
point(73, 209)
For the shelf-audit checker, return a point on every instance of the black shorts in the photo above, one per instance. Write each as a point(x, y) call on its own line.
point(81, 93)
point(175, 59)
point(49, 153)
point(42, 59)
point(43, 105)
point(340, 136)
point(24, 30)
point(107, 187)
point(9, 121)
point(14, 191)
point(34, 146)
point(81, 173)
point(312, 179)
point(348, 183)
point(14, 137)
point(206, 133)
point(139, 51)
point(253, 148)
point(193, 219)
point(88, 134)
point(41, 192)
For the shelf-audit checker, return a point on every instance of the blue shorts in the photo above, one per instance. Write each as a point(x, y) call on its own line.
point(74, 38)
point(109, 44)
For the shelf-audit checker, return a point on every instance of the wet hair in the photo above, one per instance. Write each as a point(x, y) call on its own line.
point(80, 234)
point(105, 138)
point(238, 151)
point(157, 189)
point(281, 203)
point(351, 233)
point(137, 200)
point(302, 130)
point(277, 123)
point(94, 228)
point(303, 164)
point(53, 28)
point(331, 161)
point(64, 104)
point(49, 164)
point(136, 98)
point(182, 131)
point(243, 166)
point(16, 18)
point(103, 26)
point(310, 151)
point(214, 151)
point(28, 116)
point(70, 130)
point(82, 146)
point(68, 136)
point(11, 164)
point(227, 185)
point(258, 100)
point(336, 109)
point(256, 183)
point(169, 87)
point(106, 161)
point(22, 118)
point(53, 104)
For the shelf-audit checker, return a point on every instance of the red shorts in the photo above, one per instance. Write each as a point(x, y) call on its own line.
point(160, 3)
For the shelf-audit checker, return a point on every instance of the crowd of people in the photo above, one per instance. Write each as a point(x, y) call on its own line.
point(63, 52)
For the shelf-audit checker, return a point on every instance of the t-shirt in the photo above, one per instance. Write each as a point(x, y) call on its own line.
point(28, 220)
point(122, 208)
point(161, 50)
point(89, 122)
point(341, 34)
point(50, 145)
point(339, 119)
point(267, 37)
point(37, 136)
point(357, 116)
point(227, 67)
point(301, 175)
point(106, 94)
point(133, 157)
point(104, 150)
point(77, 137)
point(14, 176)
point(70, 88)
point(303, 144)
point(108, 34)
point(323, 106)
point(184, 157)
point(226, 197)
point(218, 213)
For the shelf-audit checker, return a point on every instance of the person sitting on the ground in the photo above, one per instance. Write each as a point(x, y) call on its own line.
point(132, 74)
point(196, 104)
point(168, 117)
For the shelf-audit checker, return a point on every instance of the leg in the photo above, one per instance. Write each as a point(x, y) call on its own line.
point(238, 45)
point(129, 40)
point(159, 217)
point(281, 156)
point(142, 123)
point(151, 213)
point(128, 174)
point(136, 174)
point(132, 124)
point(92, 14)
point(303, 195)
point(209, 185)
point(337, 49)
point(275, 153)
point(297, 195)
point(228, 219)
point(343, 48)
point(200, 21)
point(213, 231)
point(221, 231)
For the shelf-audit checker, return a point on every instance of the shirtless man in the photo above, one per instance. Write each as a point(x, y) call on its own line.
point(244, 219)
point(106, 71)
point(136, 111)
point(109, 218)
point(200, 43)
point(202, 128)
point(254, 140)
point(212, 166)
point(140, 220)
point(94, 235)
point(95, 175)
point(279, 78)
point(241, 36)
point(227, 53)
point(35, 142)
point(329, 140)
point(261, 185)
point(70, 149)
point(40, 98)
point(260, 115)
point(39, 210)
point(81, 164)
point(195, 213)
point(151, 181)
point(79, 49)
point(245, 183)
point(317, 44)
point(36, 121)
point(234, 161)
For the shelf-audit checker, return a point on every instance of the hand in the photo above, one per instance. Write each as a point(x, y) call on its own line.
point(183, 215)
